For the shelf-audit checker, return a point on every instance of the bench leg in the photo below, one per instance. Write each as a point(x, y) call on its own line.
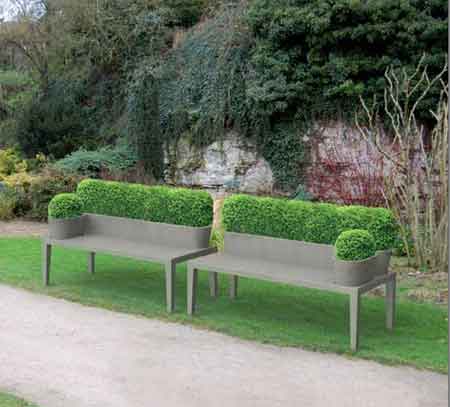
point(354, 320)
point(233, 286)
point(213, 284)
point(191, 290)
point(46, 262)
point(171, 269)
point(390, 303)
point(91, 263)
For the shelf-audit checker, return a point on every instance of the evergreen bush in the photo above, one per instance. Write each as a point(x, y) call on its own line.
point(306, 221)
point(65, 206)
point(355, 245)
point(156, 204)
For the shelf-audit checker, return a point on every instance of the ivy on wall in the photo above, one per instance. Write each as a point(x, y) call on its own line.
point(205, 92)
point(143, 121)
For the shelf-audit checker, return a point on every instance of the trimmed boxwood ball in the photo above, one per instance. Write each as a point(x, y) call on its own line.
point(354, 245)
point(177, 206)
point(306, 221)
point(65, 206)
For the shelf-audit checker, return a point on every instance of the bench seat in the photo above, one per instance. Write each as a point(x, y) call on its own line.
point(266, 270)
point(279, 273)
point(287, 262)
point(122, 247)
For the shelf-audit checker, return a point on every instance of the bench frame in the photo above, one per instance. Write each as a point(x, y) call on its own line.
point(389, 280)
point(170, 263)
point(300, 255)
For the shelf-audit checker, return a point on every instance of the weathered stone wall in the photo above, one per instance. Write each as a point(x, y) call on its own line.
point(234, 164)
point(229, 164)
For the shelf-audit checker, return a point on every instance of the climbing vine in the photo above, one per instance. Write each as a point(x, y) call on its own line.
point(143, 118)
point(204, 93)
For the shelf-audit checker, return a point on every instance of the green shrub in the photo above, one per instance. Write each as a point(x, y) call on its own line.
point(10, 162)
point(306, 221)
point(326, 54)
point(41, 191)
point(355, 244)
point(65, 206)
point(186, 13)
point(91, 163)
point(401, 248)
point(354, 217)
point(156, 204)
point(54, 121)
point(302, 194)
point(217, 239)
point(240, 214)
point(380, 222)
point(8, 202)
point(322, 225)
point(384, 228)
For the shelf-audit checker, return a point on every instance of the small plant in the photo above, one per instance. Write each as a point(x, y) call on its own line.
point(10, 163)
point(354, 245)
point(8, 202)
point(380, 222)
point(65, 206)
point(118, 159)
point(302, 194)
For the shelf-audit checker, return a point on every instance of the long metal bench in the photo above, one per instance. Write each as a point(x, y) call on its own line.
point(156, 242)
point(285, 261)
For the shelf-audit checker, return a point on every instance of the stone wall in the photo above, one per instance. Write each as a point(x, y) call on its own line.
point(229, 164)
point(234, 165)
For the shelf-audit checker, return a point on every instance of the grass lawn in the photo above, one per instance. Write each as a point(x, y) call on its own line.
point(7, 400)
point(264, 312)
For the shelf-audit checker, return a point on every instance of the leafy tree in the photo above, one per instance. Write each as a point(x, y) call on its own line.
point(53, 122)
point(324, 54)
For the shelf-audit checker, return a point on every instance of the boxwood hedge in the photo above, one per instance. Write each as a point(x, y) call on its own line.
point(306, 221)
point(156, 204)
point(65, 206)
point(355, 244)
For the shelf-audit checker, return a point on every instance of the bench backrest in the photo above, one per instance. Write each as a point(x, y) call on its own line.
point(158, 234)
point(282, 251)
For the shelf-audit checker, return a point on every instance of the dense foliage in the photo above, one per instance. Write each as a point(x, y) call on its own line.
point(157, 204)
point(65, 206)
point(267, 69)
point(306, 221)
point(144, 127)
point(54, 122)
point(93, 164)
point(354, 245)
point(322, 55)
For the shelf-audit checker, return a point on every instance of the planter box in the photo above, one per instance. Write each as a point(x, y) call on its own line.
point(148, 241)
point(383, 258)
point(355, 273)
point(61, 229)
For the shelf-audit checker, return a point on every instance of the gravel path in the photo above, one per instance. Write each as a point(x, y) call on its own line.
point(61, 354)
point(22, 228)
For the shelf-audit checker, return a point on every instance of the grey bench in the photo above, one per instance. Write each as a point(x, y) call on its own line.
point(285, 261)
point(156, 242)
